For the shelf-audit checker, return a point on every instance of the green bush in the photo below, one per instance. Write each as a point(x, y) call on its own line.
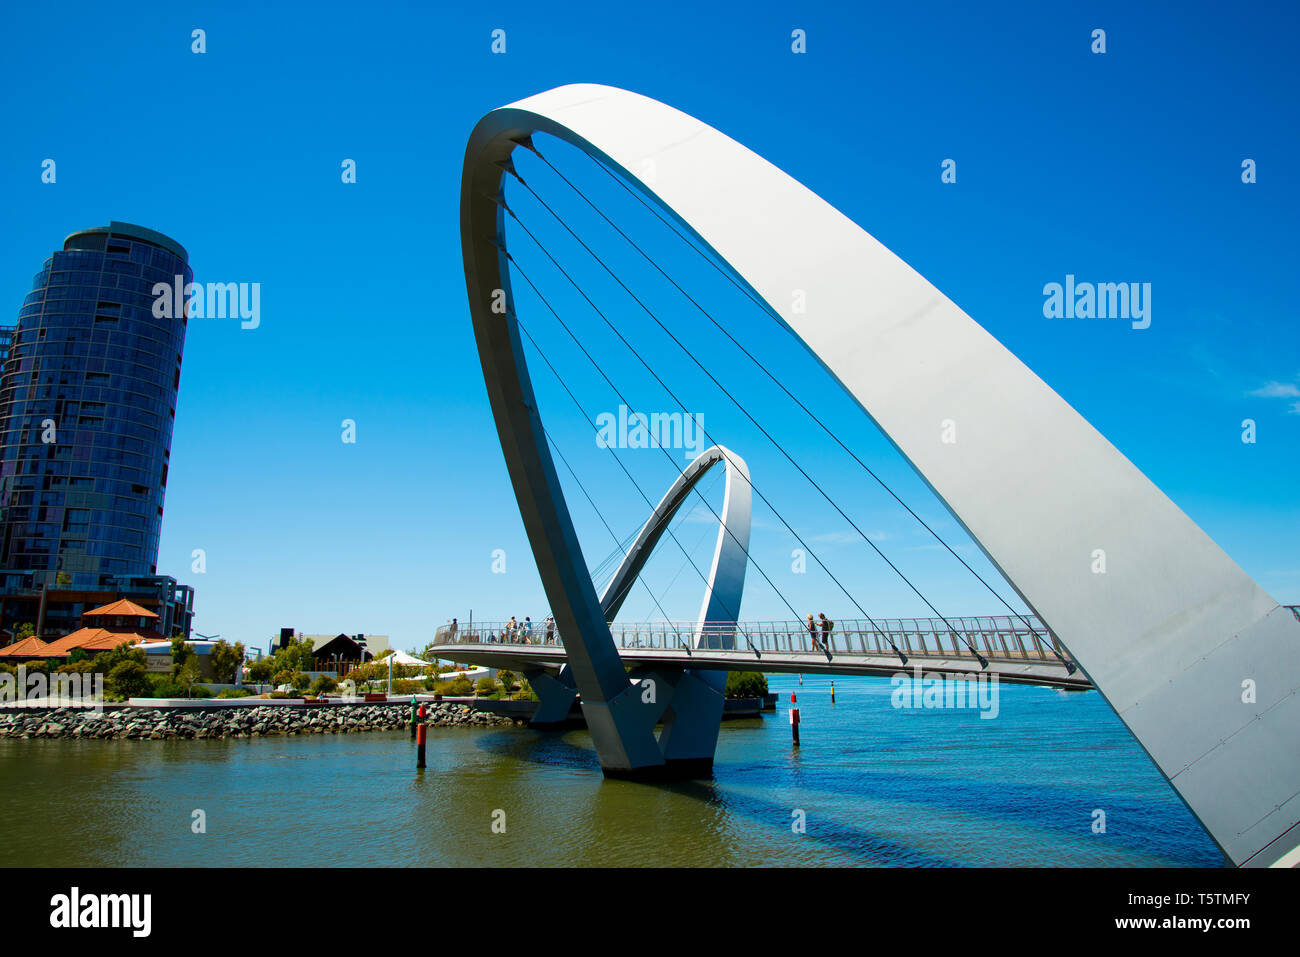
point(486, 685)
point(234, 693)
point(507, 679)
point(324, 684)
point(460, 686)
point(166, 688)
point(746, 684)
point(128, 679)
point(299, 681)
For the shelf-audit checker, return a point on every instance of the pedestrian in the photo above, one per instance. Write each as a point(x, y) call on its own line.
point(528, 630)
point(550, 630)
point(812, 632)
point(454, 626)
point(827, 625)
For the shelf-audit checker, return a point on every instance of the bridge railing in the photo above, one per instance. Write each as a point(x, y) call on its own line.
point(996, 637)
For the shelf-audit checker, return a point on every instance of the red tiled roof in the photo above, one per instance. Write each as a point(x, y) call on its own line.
point(122, 606)
point(27, 648)
point(98, 639)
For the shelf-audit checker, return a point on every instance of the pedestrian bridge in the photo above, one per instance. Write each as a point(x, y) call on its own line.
point(1019, 650)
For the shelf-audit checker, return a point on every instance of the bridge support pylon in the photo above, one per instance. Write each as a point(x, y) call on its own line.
point(556, 692)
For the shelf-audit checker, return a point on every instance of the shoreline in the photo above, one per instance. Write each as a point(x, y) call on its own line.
point(268, 720)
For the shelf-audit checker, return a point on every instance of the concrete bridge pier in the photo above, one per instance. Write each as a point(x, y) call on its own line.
point(556, 692)
point(688, 701)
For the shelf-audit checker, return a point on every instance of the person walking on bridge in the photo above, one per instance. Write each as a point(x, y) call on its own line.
point(827, 625)
point(812, 633)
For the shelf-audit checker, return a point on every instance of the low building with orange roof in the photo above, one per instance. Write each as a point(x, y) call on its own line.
point(121, 622)
point(28, 649)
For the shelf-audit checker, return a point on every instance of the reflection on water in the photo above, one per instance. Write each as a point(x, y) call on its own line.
point(878, 786)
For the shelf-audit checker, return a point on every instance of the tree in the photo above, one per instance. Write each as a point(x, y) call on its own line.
point(261, 670)
point(190, 673)
point(226, 661)
point(25, 630)
point(746, 684)
point(106, 661)
point(181, 653)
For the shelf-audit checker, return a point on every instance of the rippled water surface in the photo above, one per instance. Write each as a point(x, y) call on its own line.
point(878, 786)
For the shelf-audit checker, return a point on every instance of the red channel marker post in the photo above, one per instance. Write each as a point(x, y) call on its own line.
point(794, 719)
point(420, 730)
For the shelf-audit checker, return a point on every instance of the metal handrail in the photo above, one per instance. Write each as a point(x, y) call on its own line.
point(995, 637)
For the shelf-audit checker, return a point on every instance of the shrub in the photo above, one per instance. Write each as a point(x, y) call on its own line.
point(460, 686)
point(282, 677)
point(323, 685)
point(234, 693)
point(128, 679)
point(507, 679)
point(300, 681)
point(746, 684)
point(166, 688)
point(486, 685)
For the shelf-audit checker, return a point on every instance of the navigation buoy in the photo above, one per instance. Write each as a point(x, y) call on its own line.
point(794, 720)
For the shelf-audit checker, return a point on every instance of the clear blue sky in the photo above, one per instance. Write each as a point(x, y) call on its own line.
point(1117, 167)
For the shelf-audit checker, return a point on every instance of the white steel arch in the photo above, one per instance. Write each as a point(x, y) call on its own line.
point(1168, 634)
point(725, 585)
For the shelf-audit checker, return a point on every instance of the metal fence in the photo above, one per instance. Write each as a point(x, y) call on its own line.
point(997, 637)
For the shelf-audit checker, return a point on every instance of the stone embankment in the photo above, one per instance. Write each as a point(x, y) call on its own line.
point(247, 722)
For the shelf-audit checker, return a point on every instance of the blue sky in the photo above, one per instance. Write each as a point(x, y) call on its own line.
point(1117, 167)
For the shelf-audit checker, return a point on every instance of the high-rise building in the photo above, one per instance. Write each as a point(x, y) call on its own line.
point(87, 404)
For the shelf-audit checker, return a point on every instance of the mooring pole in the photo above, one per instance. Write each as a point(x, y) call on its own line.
point(414, 707)
point(794, 720)
point(420, 731)
point(832, 692)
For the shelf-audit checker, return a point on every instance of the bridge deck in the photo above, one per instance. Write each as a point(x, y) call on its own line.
point(1013, 651)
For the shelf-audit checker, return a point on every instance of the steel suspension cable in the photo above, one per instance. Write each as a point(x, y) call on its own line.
point(763, 307)
point(750, 558)
point(678, 401)
point(583, 411)
point(556, 447)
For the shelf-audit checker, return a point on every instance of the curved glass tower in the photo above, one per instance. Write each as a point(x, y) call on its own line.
point(87, 405)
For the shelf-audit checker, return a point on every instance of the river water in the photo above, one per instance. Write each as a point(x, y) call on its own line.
point(875, 785)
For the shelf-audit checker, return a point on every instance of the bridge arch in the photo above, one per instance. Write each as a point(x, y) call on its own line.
point(1167, 635)
point(726, 580)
